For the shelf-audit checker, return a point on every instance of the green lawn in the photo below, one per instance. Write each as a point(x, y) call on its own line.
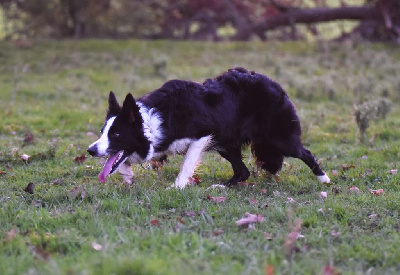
point(53, 97)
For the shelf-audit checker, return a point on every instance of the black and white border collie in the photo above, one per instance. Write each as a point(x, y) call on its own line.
point(223, 114)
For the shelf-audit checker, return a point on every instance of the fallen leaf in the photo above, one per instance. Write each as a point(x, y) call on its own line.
point(267, 236)
point(256, 173)
point(368, 172)
point(76, 191)
point(97, 246)
point(329, 270)
point(194, 180)
point(393, 171)
point(216, 199)
point(335, 190)
point(38, 252)
point(263, 191)
point(376, 192)
point(25, 157)
point(292, 237)
point(290, 200)
point(28, 138)
point(29, 188)
point(155, 222)
point(348, 166)
point(80, 159)
point(179, 219)
point(58, 182)
point(3, 172)
point(218, 232)
point(253, 201)
point(10, 235)
point(323, 195)
point(335, 233)
point(269, 270)
point(354, 189)
point(155, 164)
point(334, 173)
point(190, 214)
point(177, 228)
point(250, 218)
point(372, 139)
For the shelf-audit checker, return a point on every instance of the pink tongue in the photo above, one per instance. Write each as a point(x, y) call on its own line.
point(107, 167)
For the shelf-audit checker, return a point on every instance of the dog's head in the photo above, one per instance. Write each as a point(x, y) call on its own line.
point(122, 135)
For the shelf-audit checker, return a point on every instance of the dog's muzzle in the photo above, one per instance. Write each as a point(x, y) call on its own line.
point(92, 150)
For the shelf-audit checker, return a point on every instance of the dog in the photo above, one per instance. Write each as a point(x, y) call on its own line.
point(223, 114)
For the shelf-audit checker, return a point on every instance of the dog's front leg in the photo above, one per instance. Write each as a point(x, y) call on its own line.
point(192, 159)
point(125, 170)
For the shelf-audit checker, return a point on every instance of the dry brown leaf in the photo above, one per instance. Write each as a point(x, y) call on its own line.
point(216, 199)
point(28, 138)
point(76, 191)
point(393, 171)
point(194, 180)
point(377, 192)
point(218, 232)
point(190, 214)
point(348, 166)
point(269, 270)
point(80, 159)
point(39, 253)
point(329, 270)
point(10, 235)
point(250, 218)
point(97, 246)
point(25, 157)
point(354, 189)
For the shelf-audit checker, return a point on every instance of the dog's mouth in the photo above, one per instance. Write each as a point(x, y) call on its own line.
point(113, 162)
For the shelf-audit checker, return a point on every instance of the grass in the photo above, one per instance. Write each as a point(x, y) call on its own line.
point(53, 101)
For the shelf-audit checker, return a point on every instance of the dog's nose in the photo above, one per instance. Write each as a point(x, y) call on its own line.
point(92, 151)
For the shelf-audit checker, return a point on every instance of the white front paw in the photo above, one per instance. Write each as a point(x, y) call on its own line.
point(324, 178)
point(180, 183)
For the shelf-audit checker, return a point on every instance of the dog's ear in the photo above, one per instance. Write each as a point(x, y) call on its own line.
point(130, 110)
point(113, 107)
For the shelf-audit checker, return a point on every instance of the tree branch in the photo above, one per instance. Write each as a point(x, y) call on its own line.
point(317, 15)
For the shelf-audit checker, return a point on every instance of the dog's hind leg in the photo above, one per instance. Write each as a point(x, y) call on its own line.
point(240, 171)
point(126, 172)
point(308, 158)
point(192, 159)
point(271, 156)
point(298, 151)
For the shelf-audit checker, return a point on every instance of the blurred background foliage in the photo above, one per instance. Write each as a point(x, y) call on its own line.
point(377, 20)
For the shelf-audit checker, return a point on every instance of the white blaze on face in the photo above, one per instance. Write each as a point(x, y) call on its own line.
point(102, 143)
